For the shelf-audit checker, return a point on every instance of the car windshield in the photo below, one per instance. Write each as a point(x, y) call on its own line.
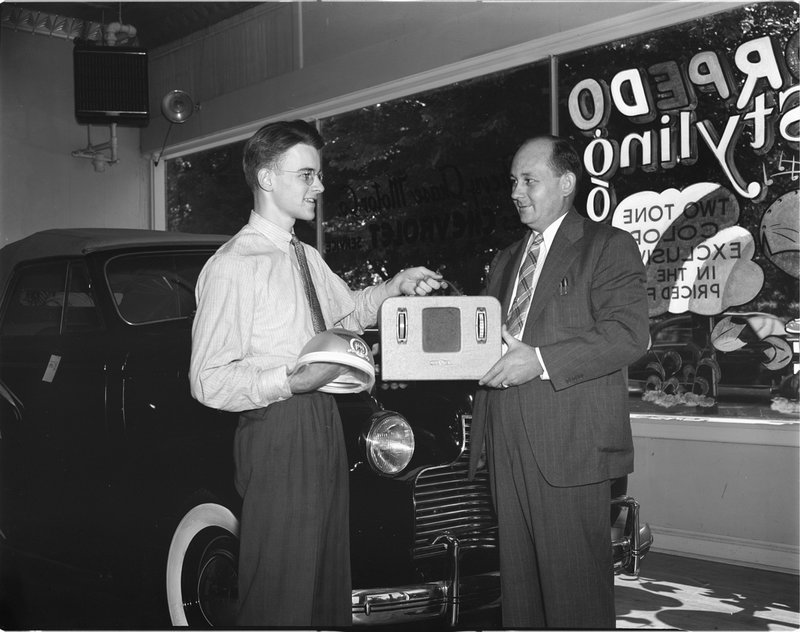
point(155, 287)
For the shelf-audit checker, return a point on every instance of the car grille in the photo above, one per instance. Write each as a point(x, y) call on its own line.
point(445, 501)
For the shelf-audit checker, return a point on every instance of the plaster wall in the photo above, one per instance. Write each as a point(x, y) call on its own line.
point(722, 490)
point(41, 184)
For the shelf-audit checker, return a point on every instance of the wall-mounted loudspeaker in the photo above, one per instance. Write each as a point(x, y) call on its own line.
point(111, 85)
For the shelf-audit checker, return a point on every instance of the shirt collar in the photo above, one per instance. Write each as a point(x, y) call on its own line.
point(549, 233)
point(270, 230)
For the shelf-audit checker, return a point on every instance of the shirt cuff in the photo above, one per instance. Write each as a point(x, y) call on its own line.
point(274, 385)
point(545, 375)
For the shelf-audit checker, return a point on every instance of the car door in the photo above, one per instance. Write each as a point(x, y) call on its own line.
point(55, 457)
point(172, 441)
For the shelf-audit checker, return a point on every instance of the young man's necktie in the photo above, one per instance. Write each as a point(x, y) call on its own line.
point(308, 284)
point(519, 309)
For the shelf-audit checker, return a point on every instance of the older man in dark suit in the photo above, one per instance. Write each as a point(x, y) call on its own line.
point(553, 410)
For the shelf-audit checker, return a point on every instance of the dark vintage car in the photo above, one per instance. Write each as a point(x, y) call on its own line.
point(735, 356)
point(111, 469)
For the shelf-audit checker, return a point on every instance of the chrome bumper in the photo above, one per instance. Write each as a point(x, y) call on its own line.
point(445, 599)
point(425, 602)
point(630, 541)
point(442, 599)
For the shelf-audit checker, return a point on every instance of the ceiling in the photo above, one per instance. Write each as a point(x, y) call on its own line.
point(156, 23)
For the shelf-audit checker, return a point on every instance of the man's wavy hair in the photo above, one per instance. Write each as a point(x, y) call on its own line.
point(267, 146)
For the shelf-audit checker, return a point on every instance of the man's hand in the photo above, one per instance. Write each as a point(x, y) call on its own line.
point(310, 377)
point(520, 364)
point(419, 281)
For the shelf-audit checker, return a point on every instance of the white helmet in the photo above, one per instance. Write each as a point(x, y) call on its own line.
point(340, 346)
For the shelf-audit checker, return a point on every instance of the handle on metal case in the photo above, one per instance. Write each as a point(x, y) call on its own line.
point(480, 325)
point(448, 288)
point(402, 325)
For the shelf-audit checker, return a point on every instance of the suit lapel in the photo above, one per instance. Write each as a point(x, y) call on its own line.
point(560, 256)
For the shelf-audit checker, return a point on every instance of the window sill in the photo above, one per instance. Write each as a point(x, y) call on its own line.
point(752, 424)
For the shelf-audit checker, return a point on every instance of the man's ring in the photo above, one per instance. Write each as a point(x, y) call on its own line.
point(504, 385)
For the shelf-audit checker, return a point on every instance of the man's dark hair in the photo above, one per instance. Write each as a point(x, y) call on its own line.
point(266, 147)
point(564, 157)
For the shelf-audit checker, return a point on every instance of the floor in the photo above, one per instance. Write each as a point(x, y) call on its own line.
point(671, 593)
point(680, 593)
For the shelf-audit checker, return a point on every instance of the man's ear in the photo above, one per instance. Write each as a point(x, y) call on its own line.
point(568, 183)
point(265, 179)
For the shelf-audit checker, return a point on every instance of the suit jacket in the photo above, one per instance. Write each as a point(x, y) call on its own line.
point(589, 318)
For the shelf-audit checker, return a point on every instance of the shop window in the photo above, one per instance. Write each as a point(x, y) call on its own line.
point(207, 192)
point(419, 180)
point(690, 138)
point(423, 180)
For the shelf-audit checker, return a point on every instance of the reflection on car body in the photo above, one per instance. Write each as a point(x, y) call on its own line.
point(109, 465)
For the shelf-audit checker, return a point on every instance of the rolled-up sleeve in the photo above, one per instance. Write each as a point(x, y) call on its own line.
point(222, 375)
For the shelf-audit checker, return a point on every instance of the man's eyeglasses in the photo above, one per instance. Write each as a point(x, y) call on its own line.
point(306, 175)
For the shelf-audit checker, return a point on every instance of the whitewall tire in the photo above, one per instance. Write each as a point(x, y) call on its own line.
point(201, 568)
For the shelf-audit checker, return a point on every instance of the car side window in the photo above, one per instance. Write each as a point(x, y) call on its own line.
point(155, 287)
point(36, 301)
point(36, 305)
point(80, 313)
point(679, 332)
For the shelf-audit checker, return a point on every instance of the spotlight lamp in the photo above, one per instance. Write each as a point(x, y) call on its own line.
point(176, 106)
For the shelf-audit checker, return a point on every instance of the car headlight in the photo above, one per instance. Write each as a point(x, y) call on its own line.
point(389, 443)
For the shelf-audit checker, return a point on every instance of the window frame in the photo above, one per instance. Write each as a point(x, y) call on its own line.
point(150, 253)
